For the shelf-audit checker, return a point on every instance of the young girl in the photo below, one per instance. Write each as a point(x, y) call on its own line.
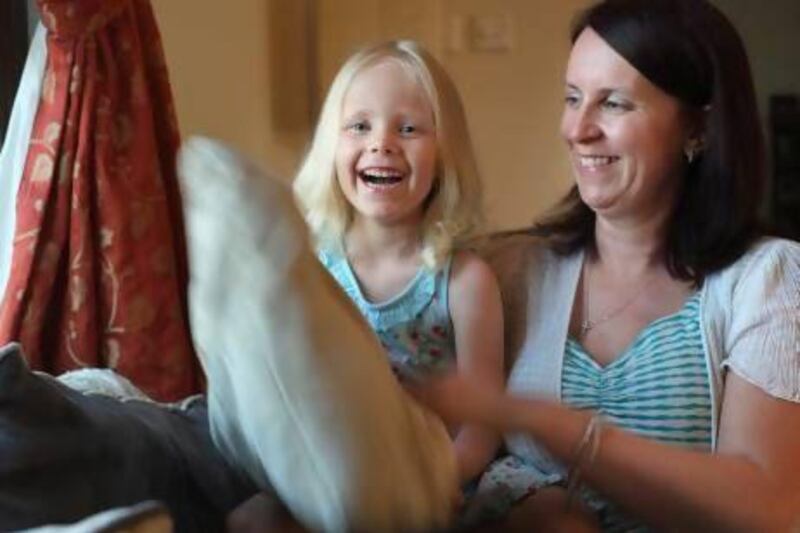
point(390, 190)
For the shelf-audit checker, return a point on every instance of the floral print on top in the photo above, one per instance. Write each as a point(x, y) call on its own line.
point(414, 327)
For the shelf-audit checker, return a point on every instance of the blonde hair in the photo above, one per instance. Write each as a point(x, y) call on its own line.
point(454, 208)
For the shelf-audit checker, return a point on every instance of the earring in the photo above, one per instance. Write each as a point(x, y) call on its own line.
point(690, 152)
point(693, 149)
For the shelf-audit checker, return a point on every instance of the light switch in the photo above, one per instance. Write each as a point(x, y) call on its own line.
point(457, 33)
point(491, 33)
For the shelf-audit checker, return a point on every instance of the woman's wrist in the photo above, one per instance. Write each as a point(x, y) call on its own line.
point(583, 457)
point(557, 427)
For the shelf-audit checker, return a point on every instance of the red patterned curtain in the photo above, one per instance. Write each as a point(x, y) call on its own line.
point(98, 275)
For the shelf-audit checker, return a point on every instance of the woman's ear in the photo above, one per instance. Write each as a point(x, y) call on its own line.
point(696, 143)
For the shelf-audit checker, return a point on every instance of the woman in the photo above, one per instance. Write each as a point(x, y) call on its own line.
point(654, 302)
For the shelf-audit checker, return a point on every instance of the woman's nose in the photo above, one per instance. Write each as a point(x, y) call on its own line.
point(579, 126)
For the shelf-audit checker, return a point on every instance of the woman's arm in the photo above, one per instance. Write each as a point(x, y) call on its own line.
point(751, 484)
point(477, 316)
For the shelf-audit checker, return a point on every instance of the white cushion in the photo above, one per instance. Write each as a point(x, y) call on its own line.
point(300, 394)
point(145, 517)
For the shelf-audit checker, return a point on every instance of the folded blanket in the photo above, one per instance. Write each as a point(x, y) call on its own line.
point(65, 455)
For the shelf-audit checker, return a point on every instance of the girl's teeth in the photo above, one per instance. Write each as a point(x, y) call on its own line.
point(381, 176)
point(379, 173)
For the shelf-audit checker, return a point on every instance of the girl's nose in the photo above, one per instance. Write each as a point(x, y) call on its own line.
point(382, 143)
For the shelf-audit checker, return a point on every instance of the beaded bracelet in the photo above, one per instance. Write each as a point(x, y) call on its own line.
point(585, 454)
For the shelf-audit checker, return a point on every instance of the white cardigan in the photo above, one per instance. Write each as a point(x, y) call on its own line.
point(750, 313)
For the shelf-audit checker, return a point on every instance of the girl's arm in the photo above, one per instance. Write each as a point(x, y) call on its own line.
point(477, 316)
point(751, 484)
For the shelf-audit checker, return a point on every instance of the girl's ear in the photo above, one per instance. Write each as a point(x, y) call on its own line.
point(434, 192)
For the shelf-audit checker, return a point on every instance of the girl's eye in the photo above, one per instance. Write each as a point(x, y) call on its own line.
point(407, 129)
point(571, 100)
point(358, 127)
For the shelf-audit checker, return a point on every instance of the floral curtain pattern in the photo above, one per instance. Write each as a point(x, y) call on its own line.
point(98, 274)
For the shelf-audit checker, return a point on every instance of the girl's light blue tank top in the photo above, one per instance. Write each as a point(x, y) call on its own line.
point(414, 326)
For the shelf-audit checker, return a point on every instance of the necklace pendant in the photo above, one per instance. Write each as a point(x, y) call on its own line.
point(586, 326)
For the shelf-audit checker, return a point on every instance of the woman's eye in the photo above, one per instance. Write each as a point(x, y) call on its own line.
point(571, 100)
point(408, 129)
point(615, 105)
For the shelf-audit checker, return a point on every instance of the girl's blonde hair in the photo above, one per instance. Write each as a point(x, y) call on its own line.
point(453, 211)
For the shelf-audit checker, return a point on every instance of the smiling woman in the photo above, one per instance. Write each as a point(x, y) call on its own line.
point(659, 364)
point(622, 130)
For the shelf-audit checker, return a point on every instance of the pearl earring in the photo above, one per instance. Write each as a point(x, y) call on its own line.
point(693, 149)
point(690, 152)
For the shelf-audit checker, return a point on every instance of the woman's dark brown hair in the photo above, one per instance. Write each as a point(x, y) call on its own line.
point(691, 51)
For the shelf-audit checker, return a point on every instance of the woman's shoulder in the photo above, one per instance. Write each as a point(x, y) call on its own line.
point(766, 258)
point(754, 304)
point(771, 249)
point(513, 254)
point(768, 272)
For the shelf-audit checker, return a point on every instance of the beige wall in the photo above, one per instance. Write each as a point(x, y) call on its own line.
point(513, 98)
point(219, 65)
point(241, 73)
point(223, 68)
point(514, 102)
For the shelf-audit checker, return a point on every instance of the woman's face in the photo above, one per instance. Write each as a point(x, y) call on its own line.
point(625, 135)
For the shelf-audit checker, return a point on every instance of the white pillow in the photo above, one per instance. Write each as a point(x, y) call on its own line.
point(300, 393)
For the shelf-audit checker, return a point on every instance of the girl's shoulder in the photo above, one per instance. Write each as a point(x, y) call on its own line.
point(330, 255)
point(467, 262)
point(470, 273)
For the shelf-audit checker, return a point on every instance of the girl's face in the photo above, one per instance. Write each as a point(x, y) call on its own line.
point(386, 153)
point(625, 135)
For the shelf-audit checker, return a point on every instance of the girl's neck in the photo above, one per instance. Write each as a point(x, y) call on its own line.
point(369, 239)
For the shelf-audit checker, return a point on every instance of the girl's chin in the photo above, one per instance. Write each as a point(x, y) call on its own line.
point(390, 218)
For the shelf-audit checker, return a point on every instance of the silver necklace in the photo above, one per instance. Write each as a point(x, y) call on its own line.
point(588, 323)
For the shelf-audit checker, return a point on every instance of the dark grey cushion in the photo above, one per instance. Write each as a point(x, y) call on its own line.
point(65, 455)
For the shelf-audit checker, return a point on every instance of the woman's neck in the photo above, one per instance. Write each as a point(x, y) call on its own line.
point(631, 247)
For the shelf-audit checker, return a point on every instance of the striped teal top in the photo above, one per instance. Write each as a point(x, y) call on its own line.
point(658, 387)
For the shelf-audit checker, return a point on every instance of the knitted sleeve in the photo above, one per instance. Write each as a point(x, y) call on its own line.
point(763, 341)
